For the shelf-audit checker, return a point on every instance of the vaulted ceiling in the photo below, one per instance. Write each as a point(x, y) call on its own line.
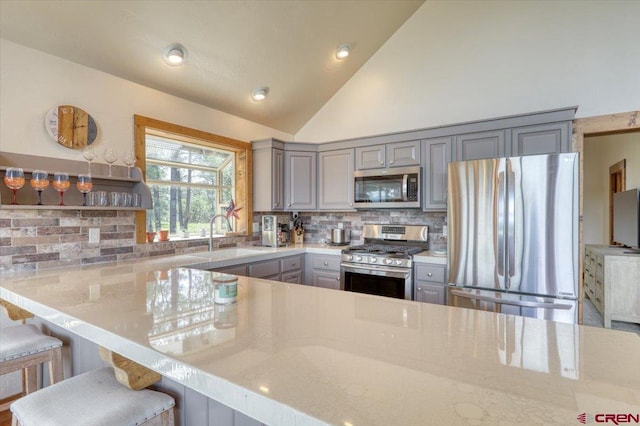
point(233, 46)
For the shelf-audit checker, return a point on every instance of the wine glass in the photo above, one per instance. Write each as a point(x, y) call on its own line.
point(110, 157)
point(84, 185)
point(61, 184)
point(129, 158)
point(89, 154)
point(39, 182)
point(14, 179)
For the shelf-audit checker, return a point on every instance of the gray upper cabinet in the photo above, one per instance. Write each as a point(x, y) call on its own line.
point(403, 154)
point(477, 146)
point(399, 154)
point(436, 156)
point(300, 180)
point(552, 138)
point(371, 157)
point(335, 174)
point(268, 179)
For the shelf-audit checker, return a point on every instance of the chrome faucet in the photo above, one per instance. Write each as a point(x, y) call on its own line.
point(213, 219)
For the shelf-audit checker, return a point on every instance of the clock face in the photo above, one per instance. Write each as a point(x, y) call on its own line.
point(71, 126)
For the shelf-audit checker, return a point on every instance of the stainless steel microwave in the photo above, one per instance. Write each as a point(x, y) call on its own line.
point(387, 188)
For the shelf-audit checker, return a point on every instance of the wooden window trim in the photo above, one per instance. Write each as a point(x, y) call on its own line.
point(244, 184)
point(618, 170)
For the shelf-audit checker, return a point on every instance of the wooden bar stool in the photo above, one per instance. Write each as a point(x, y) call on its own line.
point(113, 396)
point(24, 347)
point(93, 398)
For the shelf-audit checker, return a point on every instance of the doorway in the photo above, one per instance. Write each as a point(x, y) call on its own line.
point(617, 183)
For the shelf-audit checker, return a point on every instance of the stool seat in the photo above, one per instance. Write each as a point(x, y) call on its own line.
point(94, 398)
point(24, 348)
point(22, 340)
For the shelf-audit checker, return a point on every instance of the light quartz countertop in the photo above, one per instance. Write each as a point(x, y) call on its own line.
point(289, 354)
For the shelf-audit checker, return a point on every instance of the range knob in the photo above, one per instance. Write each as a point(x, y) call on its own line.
point(388, 261)
point(350, 257)
point(373, 259)
point(358, 258)
point(399, 262)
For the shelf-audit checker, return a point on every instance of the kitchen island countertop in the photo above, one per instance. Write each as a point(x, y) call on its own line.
point(295, 354)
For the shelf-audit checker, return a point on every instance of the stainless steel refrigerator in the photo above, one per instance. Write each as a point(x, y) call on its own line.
point(513, 235)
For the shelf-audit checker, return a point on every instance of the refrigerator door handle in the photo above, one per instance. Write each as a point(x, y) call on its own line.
point(501, 301)
point(500, 213)
point(511, 218)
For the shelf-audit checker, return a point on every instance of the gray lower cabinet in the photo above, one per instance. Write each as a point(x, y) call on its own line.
point(335, 173)
point(430, 283)
point(323, 270)
point(234, 270)
point(300, 180)
point(552, 138)
point(436, 156)
point(289, 269)
point(477, 146)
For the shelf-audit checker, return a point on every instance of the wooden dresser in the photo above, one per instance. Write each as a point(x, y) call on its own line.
point(612, 282)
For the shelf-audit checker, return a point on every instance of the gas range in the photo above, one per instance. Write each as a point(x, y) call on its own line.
point(383, 265)
point(381, 254)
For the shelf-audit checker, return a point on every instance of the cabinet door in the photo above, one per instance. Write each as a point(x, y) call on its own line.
point(437, 154)
point(294, 277)
point(335, 180)
point(430, 293)
point(326, 279)
point(234, 270)
point(477, 146)
point(370, 157)
point(277, 179)
point(300, 180)
point(550, 138)
point(265, 269)
point(268, 179)
point(403, 154)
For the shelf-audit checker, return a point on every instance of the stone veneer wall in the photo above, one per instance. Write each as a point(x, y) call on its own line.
point(52, 238)
point(317, 225)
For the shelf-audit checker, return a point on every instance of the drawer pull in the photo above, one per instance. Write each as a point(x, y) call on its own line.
point(337, 278)
point(429, 274)
point(325, 263)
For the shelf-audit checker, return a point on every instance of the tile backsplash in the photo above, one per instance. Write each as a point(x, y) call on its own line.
point(52, 238)
point(317, 225)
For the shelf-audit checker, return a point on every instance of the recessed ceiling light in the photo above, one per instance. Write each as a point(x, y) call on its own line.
point(260, 94)
point(175, 54)
point(343, 51)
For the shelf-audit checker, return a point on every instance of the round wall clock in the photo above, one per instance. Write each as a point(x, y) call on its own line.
point(71, 126)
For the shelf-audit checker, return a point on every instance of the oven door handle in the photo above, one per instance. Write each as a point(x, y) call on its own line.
point(391, 272)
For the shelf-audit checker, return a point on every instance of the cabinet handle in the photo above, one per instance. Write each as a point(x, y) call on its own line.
point(429, 274)
point(289, 205)
point(325, 263)
point(337, 278)
point(419, 288)
point(381, 163)
point(350, 204)
point(391, 162)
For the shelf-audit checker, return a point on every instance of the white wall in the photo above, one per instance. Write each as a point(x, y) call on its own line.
point(600, 153)
point(457, 61)
point(32, 82)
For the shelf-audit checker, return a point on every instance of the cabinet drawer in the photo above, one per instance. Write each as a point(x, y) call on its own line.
point(292, 277)
point(234, 270)
point(264, 269)
point(291, 263)
point(331, 263)
point(430, 273)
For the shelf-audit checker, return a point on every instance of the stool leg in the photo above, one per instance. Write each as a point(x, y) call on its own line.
point(55, 366)
point(31, 379)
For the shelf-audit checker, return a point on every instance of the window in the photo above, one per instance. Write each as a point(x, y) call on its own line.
point(192, 175)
